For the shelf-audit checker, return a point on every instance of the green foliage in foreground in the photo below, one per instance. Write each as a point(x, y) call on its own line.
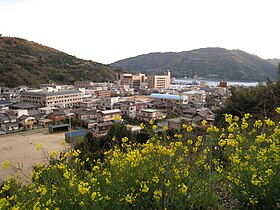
point(261, 101)
point(234, 167)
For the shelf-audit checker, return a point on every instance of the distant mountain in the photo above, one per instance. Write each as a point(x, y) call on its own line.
point(211, 63)
point(25, 62)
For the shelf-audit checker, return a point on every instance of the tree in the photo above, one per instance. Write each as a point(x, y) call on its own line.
point(261, 101)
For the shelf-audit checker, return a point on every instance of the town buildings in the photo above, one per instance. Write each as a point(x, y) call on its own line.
point(94, 106)
point(138, 80)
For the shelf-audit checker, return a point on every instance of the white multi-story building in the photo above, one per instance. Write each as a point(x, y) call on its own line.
point(135, 80)
point(43, 97)
point(107, 103)
point(159, 81)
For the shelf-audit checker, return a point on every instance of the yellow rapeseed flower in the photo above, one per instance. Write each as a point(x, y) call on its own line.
point(66, 174)
point(228, 118)
point(165, 128)
point(157, 194)
point(144, 187)
point(155, 179)
point(183, 188)
point(6, 187)
point(53, 154)
point(62, 142)
point(269, 172)
point(247, 115)
point(6, 164)
point(190, 141)
point(142, 126)
point(236, 118)
point(117, 117)
point(39, 146)
point(42, 190)
point(204, 123)
point(167, 182)
point(258, 123)
point(269, 122)
point(83, 187)
point(253, 200)
point(124, 139)
point(129, 198)
point(189, 128)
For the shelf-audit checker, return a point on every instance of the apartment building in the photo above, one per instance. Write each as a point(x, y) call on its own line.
point(159, 81)
point(107, 103)
point(128, 108)
point(133, 80)
point(196, 96)
point(43, 98)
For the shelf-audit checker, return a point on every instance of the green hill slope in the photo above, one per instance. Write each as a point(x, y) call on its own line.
point(214, 63)
point(24, 62)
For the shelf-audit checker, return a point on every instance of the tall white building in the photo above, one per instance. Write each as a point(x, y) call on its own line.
point(159, 81)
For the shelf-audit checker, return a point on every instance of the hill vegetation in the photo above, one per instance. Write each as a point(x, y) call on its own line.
point(211, 63)
point(28, 63)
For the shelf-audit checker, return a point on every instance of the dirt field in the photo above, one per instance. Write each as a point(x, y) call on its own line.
point(20, 149)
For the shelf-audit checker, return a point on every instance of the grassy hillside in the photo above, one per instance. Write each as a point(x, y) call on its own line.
point(28, 63)
point(212, 63)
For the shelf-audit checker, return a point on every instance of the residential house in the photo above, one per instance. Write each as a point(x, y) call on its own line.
point(128, 108)
point(45, 122)
point(176, 123)
point(167, 102)
point(88, 104)
point(104, 127)
point(5, 104)
point(150, 114)
point(57, 116)
point(23, 105)
point(196, 96)
point(203, 114)
point(108, 115)
point(27, 122)
point(9, 124)
point(86, 118)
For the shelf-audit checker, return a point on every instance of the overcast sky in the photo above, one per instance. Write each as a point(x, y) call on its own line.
point(109, 30)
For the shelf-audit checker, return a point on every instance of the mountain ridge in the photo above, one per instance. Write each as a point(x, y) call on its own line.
point(29, 63)
point(211, 63)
